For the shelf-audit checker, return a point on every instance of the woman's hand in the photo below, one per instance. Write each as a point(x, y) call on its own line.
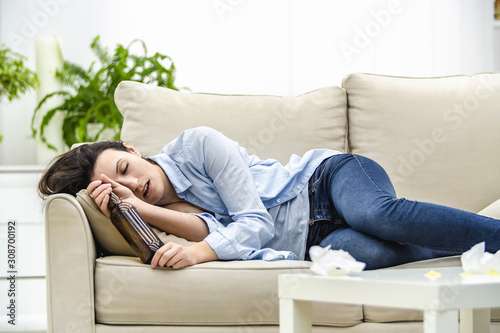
point(100, 190)
point(178, 256)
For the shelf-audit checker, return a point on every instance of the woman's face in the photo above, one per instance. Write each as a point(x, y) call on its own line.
point(146, 180)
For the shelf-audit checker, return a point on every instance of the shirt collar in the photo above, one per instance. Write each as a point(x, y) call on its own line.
point(174, 174)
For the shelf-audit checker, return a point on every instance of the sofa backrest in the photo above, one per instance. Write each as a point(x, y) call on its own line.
point(438, 138)
point(268, 126)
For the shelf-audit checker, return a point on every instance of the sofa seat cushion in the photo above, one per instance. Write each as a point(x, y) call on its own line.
point(438, 138)
point(215, 293)
point(268, 126)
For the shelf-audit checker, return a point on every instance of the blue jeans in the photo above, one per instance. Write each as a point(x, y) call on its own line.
point(354, 208)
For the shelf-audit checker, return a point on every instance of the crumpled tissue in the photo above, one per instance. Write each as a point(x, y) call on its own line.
point(333, 262)
point(477, 261)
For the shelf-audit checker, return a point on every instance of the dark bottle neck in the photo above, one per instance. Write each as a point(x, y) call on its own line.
point(114, 201)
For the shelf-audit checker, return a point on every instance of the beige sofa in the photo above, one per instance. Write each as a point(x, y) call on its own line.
point(438, 138)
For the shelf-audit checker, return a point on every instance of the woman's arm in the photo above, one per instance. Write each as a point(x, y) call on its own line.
point(181, 224)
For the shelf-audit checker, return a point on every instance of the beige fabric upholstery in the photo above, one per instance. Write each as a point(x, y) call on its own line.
point(492, 210)
point(394, 327)
point(213, 293)
point(268, 126)
point(438, 138)
point(70, 259)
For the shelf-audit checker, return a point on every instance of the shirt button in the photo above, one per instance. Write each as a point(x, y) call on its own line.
point(278, 200)
point(299, 187)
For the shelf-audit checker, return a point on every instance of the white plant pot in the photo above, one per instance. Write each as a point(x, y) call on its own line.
point(48, 60)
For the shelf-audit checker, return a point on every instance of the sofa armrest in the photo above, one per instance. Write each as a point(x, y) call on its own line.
point(70, 255)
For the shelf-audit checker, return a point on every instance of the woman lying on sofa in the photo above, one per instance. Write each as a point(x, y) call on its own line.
point(204, 187)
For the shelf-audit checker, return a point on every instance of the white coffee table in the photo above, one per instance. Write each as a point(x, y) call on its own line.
point(440, 298)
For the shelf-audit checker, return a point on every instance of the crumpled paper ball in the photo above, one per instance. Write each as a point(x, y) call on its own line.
point(477, 261)
point(333, 262)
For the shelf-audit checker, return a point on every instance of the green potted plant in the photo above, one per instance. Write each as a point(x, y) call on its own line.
point(87, 94)
point(15, 77)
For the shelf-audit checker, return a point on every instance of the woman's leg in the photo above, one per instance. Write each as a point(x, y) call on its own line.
point(365, 198)
point(329, 228)
point(375, 252)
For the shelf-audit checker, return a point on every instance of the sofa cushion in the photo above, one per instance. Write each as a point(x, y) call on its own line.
point(438, 138)
point(492, 210)
point(107, 237)
point(268, 126)
point(128, 292)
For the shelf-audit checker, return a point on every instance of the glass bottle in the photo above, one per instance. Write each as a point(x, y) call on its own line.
point(134, 229)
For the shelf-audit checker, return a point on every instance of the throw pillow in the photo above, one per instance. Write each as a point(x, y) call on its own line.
point(437, 138)
point(268, 126)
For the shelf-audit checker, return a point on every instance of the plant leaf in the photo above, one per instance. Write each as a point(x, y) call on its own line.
point(88, 94)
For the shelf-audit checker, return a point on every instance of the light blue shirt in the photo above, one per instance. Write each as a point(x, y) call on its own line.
point(261, 208)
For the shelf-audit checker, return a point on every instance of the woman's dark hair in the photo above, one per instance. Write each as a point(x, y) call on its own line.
point(72, 171)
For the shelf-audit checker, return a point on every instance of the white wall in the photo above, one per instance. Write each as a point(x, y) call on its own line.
point(496, 62)
point(254, 47)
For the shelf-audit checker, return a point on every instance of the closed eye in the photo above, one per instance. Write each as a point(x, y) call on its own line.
point(125, 169)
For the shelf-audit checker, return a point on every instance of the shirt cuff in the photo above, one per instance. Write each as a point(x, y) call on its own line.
point(222, 246)
point(211, 223)
point(217, 241)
